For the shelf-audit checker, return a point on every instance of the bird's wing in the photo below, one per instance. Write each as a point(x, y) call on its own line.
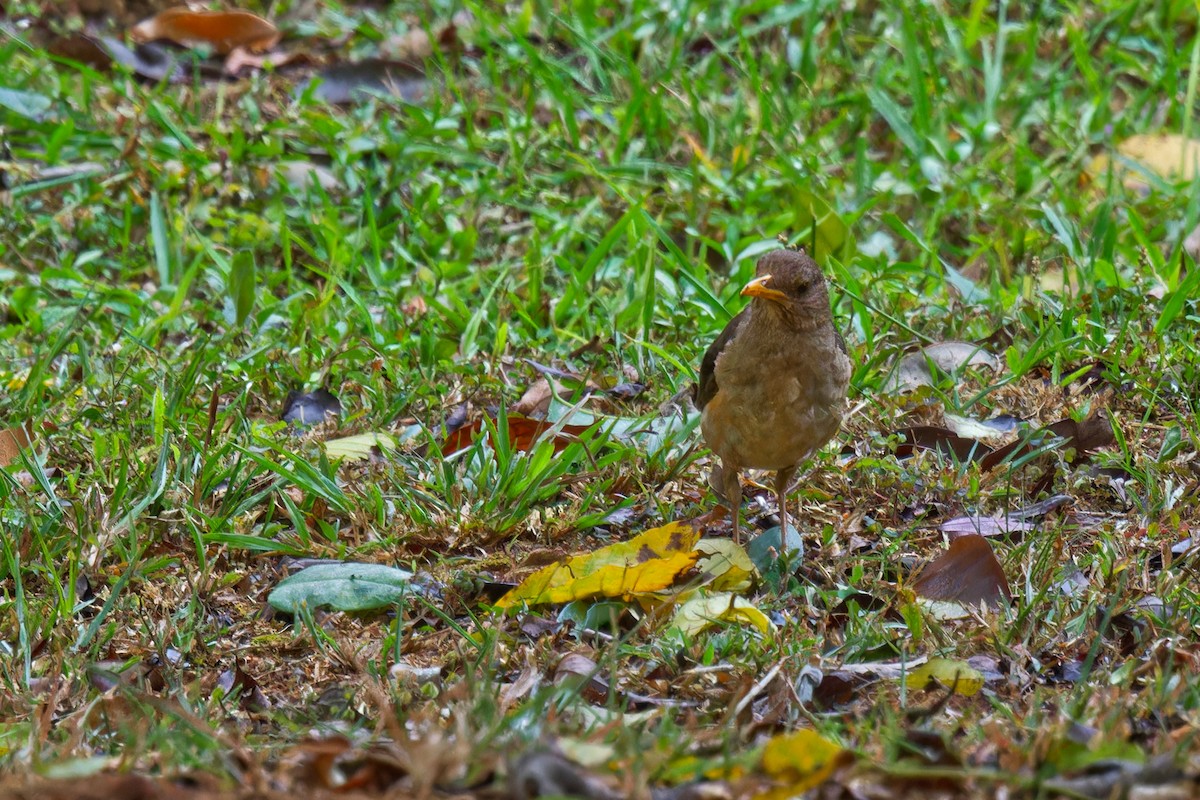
point(706, 389)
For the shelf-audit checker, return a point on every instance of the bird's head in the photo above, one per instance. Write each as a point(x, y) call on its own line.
point(789, 286)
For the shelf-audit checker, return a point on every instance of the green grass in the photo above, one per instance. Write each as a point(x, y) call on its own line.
point(588, 173)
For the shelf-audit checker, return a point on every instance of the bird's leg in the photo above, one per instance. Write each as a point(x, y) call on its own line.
point(783, 479)
point(726, 480)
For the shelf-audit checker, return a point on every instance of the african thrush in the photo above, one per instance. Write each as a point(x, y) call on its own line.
point(773, 385)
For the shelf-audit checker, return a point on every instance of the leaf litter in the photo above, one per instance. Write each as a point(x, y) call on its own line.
point(700, 667)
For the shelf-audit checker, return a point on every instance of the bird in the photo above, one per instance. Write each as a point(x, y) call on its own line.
point(772, 388)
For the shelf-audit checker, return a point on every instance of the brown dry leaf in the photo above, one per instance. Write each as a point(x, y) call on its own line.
point(536, 400)
point(1082, 436)
point(522, 434)
point(967, 573)
point(12, 440)
point(221, 30)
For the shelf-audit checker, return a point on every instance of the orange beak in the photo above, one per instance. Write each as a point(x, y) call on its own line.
point(759, 288)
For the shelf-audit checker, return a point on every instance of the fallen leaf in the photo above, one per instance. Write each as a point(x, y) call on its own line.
point(361, 447)
point(649, 562)
point(940, 440)
point(221, 30)
point(701, 611)
point(980, 525)
point(1081, 436)
point(913, 369)
point(241, 58)
point(800, 760)
point(969, 428)
point(12, 440)
point(967, 573)
point(1019, 521)
point(345, 587)
point(541, 773)
point(727, 563)
point(30, 105)
point(523, 433)
point(150, 61)
point(350, 83)
point(536, 400)
point(958, 675)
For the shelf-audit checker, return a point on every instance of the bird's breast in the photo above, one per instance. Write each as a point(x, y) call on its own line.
point(774, 409)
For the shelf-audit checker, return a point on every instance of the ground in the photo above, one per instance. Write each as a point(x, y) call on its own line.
point(426, 286)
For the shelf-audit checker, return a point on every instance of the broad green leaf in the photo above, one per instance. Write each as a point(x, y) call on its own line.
point(345, 587)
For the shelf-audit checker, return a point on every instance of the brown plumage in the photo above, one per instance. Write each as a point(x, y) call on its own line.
point(773, 385)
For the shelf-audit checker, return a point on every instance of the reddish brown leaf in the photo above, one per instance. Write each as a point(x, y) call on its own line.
point(12, 440)
point(221, 30)
point(1084, 436)
point(967, 573)
point(522, 434)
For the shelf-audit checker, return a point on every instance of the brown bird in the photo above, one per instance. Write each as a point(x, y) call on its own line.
point(773, 385)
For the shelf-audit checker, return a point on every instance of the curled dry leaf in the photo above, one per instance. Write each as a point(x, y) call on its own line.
point(970, 428)
point(968, 572)
point(221, 30)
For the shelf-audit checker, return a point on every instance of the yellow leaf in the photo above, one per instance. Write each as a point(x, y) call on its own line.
point(965, 679)
point(701, 611)
point(1167, 155)
point(727, 562)
point(360, 447)
point(699, 152)
point(647, 563)
point(800, 761)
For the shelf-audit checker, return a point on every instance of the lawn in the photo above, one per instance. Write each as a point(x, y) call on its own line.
point(313, 352)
